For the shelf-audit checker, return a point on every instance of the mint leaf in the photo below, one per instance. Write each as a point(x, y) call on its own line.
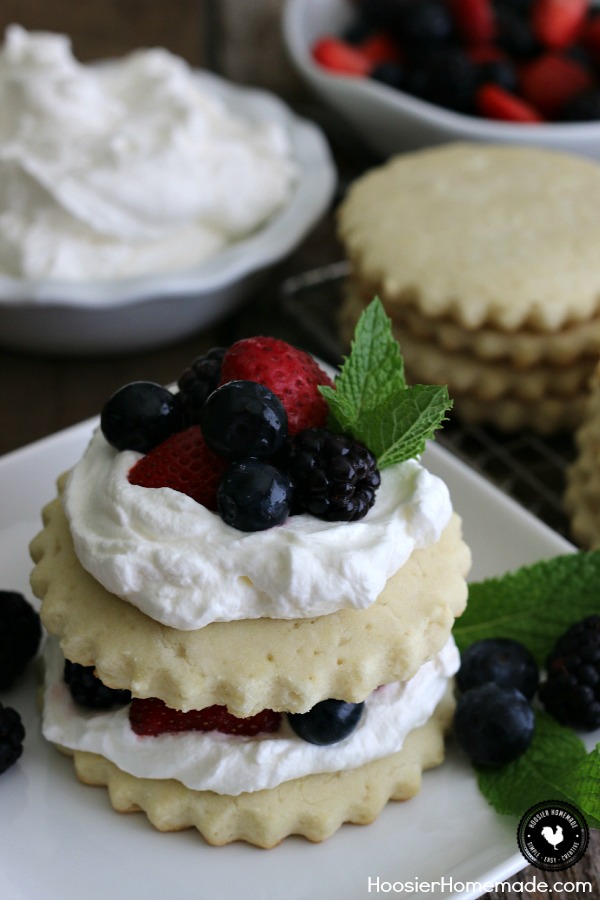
point(371, 400)
point(400, 425)
point(584, 786)
point(373, 371)
point(534, 605)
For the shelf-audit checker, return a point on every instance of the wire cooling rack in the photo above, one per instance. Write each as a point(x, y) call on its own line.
point(528, 467)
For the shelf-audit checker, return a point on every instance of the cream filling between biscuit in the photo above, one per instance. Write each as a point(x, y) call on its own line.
point(230, 764)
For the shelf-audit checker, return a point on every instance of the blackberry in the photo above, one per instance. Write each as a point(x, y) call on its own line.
point(571, 691)
point(334, 477)
point(87, 689)
point(20, 635)
point(198, 381)
point(12, 735)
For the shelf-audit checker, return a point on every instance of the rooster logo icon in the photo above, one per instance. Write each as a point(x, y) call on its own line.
point(553, 837)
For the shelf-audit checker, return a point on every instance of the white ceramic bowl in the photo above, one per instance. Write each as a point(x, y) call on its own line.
point(60, 317)
point(390, 121)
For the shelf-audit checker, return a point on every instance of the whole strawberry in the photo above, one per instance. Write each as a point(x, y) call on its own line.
point(290, 373)
point(152, 717)
point(184, 463)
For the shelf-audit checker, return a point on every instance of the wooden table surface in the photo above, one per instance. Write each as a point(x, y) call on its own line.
point(40, 395)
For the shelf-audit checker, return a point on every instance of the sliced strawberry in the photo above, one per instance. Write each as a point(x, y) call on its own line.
point(557, 23)
point(475, 20)
point(182, 462)
point(380, 47)
point(493, 102)
point(152, 717)
point(290, 373)
point(340, 57)
point(552, 80)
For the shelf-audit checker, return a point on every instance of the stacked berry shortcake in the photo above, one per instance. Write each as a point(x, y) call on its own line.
point(249, 584)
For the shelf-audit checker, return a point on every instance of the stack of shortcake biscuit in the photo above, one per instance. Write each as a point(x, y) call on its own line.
point(582, 493)
point(366, 610)
point(486, 259)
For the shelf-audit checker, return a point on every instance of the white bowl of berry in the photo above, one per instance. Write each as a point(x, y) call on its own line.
point(407, 74)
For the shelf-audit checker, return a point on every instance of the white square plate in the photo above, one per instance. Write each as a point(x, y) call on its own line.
point(62, 841)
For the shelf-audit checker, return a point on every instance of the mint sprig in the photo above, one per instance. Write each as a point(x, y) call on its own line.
point(535, 605)
point(371, 400)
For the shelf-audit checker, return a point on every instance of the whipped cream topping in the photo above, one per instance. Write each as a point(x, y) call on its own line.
point(231, 764)
point(131, 167)
point(180, 564)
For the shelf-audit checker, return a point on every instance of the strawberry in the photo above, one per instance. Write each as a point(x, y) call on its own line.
point(341, 58)
point(380, 47)
point(290, 373)
point(475, 20)
point(557, 23)
point(551, 81)
point(182, 462)
point(493, 102)
point(152, 717)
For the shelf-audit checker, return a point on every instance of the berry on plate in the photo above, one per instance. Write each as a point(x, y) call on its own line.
point(557, 23)
point(184, 463)
point(12, 735)
point(20, 635)
point(197, 382)
point(503, 661)
point(290, 373)
point(571, 691)
point(493, 725)
point(152, 717)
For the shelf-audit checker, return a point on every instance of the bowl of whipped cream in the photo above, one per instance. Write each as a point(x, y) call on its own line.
point(141, 200)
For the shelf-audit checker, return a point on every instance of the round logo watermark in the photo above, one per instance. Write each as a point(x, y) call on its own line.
point(553, 835)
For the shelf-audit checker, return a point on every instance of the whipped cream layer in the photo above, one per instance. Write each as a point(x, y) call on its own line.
point(131, 167)
point(180, 564)
point(230, 764)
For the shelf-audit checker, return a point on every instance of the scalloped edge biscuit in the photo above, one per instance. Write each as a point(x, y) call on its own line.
point(250, 665)
point(581, 497)
point(315, 806)
point(495, 235)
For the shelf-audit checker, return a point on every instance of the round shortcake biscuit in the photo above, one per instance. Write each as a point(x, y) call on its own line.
point(496, 236)
point(314, 806)
point(250, 665)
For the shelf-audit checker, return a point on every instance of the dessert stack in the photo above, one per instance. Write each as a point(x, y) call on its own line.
point(249, 585)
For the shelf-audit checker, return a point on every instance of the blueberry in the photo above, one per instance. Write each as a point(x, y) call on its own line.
point(254, 495)
point(584, 107)
point(243, 419)
point(327, 722)
point(493, 725)
point(505, 662)
point(139, 416)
